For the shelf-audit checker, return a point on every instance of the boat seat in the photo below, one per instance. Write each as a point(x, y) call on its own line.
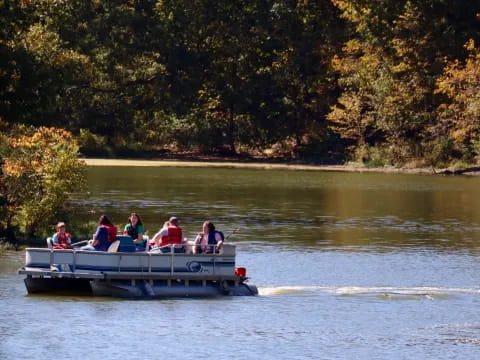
point(126, 243)
point(50, 243)
point(114, 246)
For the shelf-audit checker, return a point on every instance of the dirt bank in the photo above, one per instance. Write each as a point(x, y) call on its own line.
point(254, 165)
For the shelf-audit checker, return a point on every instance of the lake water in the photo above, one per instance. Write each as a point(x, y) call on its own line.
point(349, 266)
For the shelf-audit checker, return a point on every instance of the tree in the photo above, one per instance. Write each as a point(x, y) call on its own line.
point(389, 67)
point(459, 115)
point(40, 172)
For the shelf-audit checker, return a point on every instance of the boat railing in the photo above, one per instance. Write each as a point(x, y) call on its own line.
point(68, 260)
point(188, 248)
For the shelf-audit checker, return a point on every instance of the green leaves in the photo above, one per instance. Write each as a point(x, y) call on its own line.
point(240, 75)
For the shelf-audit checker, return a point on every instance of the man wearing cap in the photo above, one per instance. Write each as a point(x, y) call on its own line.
point(170, 235)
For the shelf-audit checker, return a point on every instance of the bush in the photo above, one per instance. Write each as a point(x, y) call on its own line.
point(370, 156)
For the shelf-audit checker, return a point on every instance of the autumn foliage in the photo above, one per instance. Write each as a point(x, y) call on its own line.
point(40, 171)
point(377, 81)
point(459, 115)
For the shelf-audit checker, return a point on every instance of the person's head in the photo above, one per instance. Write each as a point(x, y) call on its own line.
point(208, 227)
point(173, 221)
point(134, 219)
point(61, 227)
point(104, 220)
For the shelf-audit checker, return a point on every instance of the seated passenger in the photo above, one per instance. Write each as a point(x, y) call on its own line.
point(61, 239)
point(208, 241)
point(106, 234)
point(111, 229)
point(155, 241)
point(170, 235)
point(135, 229)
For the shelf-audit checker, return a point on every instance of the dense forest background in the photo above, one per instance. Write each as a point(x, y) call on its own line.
point(377, 81)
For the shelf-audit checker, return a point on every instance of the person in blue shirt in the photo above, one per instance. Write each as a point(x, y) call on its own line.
point(101, 237)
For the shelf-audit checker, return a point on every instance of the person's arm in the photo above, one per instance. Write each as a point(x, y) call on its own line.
point(139, 239)
point(196, 244)
point(218, 237)
point(55, 239)
point(96, 236)
point(68, 245)
point(156, 238)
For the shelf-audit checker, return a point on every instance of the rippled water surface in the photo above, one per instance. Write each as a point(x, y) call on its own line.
point(349, 266)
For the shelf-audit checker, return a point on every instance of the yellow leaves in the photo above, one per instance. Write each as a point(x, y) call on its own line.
point(353, 46)
point(283, 59)
point(349, 11)
point(470, 44)
point(400, 67)
point(142, 67)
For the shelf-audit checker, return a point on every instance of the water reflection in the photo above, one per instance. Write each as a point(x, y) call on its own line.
point(306, 208)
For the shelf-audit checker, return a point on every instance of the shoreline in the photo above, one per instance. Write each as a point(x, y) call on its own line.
point(256, 165)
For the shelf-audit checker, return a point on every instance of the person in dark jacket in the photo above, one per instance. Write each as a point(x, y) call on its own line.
point(208, 241)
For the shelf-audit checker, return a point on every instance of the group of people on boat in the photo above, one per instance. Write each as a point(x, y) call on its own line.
point(169, 237)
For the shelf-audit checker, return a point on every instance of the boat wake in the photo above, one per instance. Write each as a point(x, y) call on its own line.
point(288, 290)
point(381, 292)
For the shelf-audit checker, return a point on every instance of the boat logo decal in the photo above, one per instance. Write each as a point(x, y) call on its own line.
point(194, 266)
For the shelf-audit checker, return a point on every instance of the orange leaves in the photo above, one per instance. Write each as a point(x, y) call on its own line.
point(461, 84)
point(42, 137)
point(12, 168)
point(33, 153)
